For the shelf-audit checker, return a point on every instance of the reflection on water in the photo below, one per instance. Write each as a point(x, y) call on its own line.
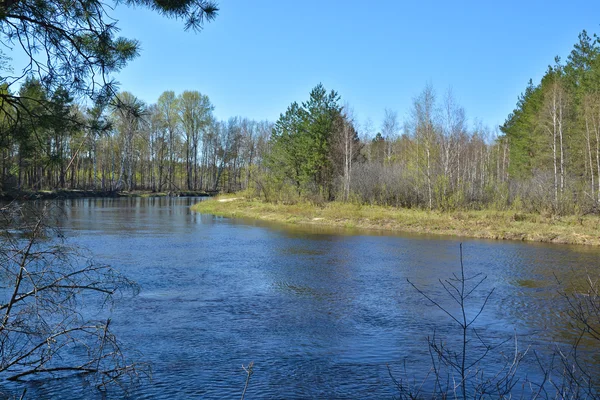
point(320, 311)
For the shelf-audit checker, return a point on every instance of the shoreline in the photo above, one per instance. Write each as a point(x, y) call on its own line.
point(81, 194)
point(485, 224)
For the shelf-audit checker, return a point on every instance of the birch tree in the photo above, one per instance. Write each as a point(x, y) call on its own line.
point(128, 111)
point(195, 111)
point(425, 132)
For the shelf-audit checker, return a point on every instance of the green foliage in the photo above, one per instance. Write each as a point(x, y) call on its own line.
point(378, 148)
point(555, 127)
point(302, 142)
point(194, 12)
point(43, 124)
point(75, 44)
point(521, 128)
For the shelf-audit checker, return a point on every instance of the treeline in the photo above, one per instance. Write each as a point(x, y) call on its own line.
point(50, 142)
point(437, 162)
point(554, 132)
point(433, 160)
point(544, 158)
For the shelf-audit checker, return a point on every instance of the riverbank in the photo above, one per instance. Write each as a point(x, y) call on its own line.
point(487, 224)
point(77, 194)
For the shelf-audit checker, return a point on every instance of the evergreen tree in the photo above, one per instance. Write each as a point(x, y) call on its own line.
point(75, 44)
point(302, 139)
point(521, 129)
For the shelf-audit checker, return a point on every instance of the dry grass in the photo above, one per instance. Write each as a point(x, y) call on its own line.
point(487, 224)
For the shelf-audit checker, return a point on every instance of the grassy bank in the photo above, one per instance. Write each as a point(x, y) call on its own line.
point(488, 224)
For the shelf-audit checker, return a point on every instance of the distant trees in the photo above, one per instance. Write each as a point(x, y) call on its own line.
point(127, 117)
point(181, 146)
point(553, 133)
point(546, 156)
point(39, 140)
point(173, 145)
point(195, 112)
point(437, 162)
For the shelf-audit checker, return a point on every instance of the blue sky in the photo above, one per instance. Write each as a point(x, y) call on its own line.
point(258, 56)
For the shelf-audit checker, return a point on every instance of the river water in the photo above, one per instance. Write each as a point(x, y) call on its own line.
point(321, 313)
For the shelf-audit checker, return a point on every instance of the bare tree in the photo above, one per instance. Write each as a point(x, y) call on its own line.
point(591, 106)
point(128, 111)
point(167, 107)
point(424, 115)
point(453, 126)
point(576, 365)
point(249, 145)
point(195, 111)
point(456, 371)
point(47, 290)
point(554, 117)
point(345, 149)
point(389, 129)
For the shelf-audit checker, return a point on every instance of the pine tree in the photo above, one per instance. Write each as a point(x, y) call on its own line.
point(301, 142)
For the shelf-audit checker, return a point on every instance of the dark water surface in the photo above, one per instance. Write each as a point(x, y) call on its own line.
point(321, 313)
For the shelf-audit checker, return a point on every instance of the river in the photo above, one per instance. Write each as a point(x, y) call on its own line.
point(322, 313)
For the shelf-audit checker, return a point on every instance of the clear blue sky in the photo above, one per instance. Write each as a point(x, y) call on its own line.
point(258, 56)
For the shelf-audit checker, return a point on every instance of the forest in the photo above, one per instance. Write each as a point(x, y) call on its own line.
point(545, 157)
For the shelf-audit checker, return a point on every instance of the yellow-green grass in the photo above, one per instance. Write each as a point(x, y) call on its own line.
point(487, 224)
